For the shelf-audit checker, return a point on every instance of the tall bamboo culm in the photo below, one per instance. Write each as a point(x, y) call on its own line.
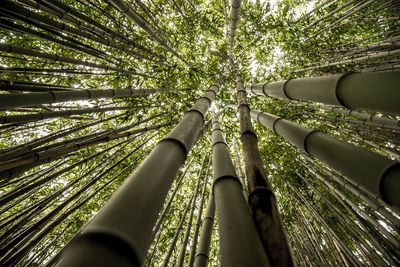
point(240, 244)
point(377, 174)
point(121, 231)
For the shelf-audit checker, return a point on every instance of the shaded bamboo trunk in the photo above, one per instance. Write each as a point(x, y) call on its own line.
point(41, 21)
point(27, 187)
point(341, 197)
point(240, 244)
point(170, 201)
point(239, 171)
point(32, 86)
point(8, 101)
point(370, 200)
point(235, 16)
point(351, 90)
point(28, 213)
point(44, 71)
point(373, 118)
point(349, 256)
point(198, 221)
point(374, 172)
point(182, 252)
point(356, 231)
point(129, 12)
point(129, 216)
point(261, 199)
point(203, 250)
point(26, 118)
point(7, 25)
point(93, 24)
point(28, 233)
point(41, 234)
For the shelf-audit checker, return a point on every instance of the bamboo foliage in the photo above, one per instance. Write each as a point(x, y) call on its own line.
point(67, 145)
point(198, 221)
point(181, 256)
point(54, 57)
point(128, 11)
point(56, 114)
point(202, 253)
point(14, 166)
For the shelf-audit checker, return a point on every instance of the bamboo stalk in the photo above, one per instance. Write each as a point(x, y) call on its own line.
point(350, 90)
point(115, 220)
point(8, 101)
point(239, 241)
point(375, 172)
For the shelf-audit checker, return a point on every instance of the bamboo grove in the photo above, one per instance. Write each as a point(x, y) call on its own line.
point(199, 133)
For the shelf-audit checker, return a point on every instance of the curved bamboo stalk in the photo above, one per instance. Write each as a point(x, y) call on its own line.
point(239, 171)
point(339, 20)
point(30, 213)
point(356, 190)
point(330, 14)
point(165, 211)
point(23, 189)
point(235, 16)
point(391, 152)
point(48, 249)
point(45, 22)
point(348, 255)
point(359, 230)
point(10, 26)
point(70, 12)
point(114, 223)
point(373, 55)
point(29, 232)
point(171, 199)
point(325, 4)
point(44, 71)
point(356, 208)
point(31, 86)
point(379, 121)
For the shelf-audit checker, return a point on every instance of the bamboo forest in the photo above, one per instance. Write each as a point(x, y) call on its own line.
point(233, 133)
